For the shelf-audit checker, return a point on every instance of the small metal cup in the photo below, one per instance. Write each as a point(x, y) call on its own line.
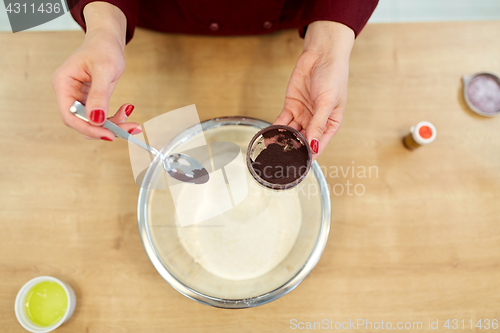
point(466, 80)
point(259, 143)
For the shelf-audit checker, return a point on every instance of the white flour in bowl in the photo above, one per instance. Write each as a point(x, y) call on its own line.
point(249, 240)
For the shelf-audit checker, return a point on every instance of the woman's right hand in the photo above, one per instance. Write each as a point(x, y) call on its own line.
point(91, 73)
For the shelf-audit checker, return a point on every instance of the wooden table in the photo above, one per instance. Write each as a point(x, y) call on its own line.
point(422, 243)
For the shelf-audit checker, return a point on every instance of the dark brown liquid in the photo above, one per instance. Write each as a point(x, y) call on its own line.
point(284, 160)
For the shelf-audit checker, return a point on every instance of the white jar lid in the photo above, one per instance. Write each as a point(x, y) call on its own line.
point(423, 133)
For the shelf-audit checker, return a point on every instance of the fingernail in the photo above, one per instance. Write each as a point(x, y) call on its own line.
point(129, 109)
point(135, 131)
point(97, 116)
point(105, 138)
point(315, 146)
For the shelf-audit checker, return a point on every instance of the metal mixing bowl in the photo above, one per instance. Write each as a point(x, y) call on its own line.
point(157, 227)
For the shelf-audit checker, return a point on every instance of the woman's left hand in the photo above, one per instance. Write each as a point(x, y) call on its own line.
point(317, 92)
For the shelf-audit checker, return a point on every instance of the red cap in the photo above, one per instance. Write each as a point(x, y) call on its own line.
point(425, 132)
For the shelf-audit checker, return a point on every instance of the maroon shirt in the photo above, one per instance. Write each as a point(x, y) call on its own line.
point(235, 17)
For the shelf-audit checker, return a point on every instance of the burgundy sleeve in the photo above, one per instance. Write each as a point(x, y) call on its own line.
point(129, 7)
point(352, 13)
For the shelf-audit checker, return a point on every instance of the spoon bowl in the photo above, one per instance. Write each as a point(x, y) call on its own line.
point(180, 166)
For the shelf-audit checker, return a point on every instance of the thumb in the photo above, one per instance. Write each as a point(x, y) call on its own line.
point(97, 103)
point(316, 128)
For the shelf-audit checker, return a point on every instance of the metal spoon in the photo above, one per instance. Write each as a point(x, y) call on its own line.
point(179, 166)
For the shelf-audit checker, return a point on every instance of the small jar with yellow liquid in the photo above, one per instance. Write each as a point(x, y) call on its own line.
point(44, 303)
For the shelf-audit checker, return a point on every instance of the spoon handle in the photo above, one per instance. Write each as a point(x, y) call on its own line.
point(79, 110)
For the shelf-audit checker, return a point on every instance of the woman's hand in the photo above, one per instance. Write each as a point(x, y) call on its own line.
point(90, 74)
point(317, 92)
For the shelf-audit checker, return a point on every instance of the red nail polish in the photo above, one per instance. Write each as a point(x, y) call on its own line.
point(134, 131)
point(315, 146)
point(97, 116)
point(105, 138)
point(129, 109)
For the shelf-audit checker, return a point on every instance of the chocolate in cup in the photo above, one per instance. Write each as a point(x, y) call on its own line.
point(279, 157)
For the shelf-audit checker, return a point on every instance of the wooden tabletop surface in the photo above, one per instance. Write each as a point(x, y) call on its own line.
point(422, 243)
